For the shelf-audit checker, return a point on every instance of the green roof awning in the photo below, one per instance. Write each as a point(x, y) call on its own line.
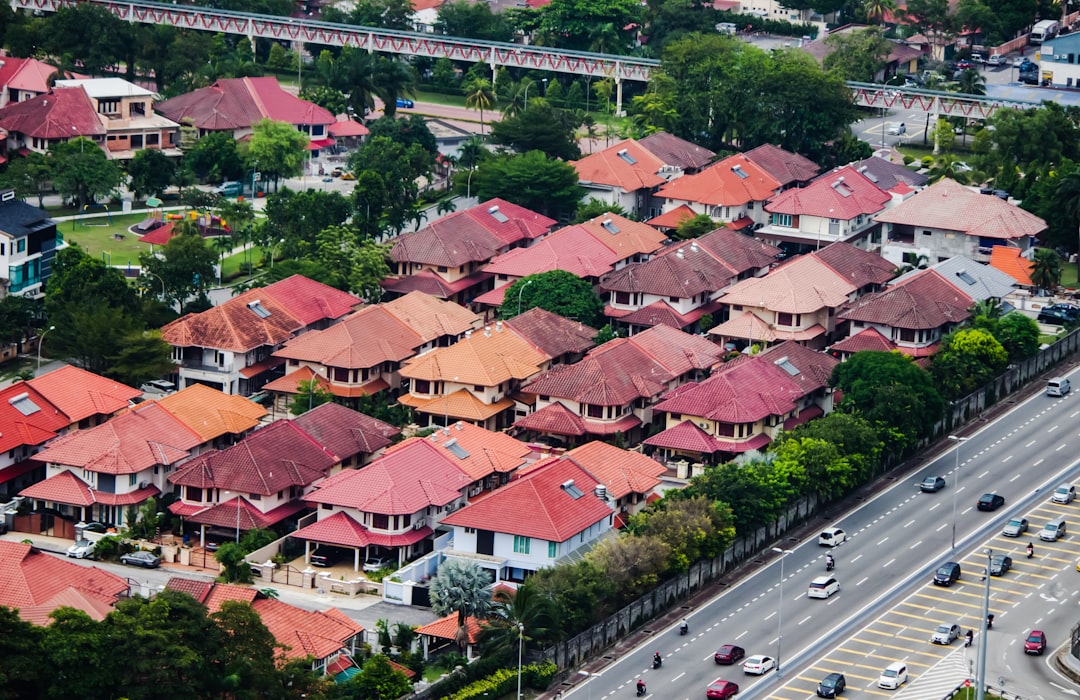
point(153, 202)
point(346, 675)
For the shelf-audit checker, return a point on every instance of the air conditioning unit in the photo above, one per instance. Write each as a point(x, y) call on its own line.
point(419, 524)
point(476, 491)
point(144, 484)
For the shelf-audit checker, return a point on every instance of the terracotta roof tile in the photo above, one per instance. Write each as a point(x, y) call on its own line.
point(607, 167)
point(199, 590)
point(212, 414)
point(446, 628)
point(223, 592)
point(554, 335)
point(1010, 261)
point(431, 283)
point(460, 404)
point(746, 393)
point(555, 419)
point(673, 150)
point(859, 267)
point(484, 359)
point(368, 338)
point(36, 583)
point(244, 514)
point(785, 166)
point(319, 633)
point(239, 103)
point(345, 432)
point(311, 301)
point(627, 238)
point(869, 339)
point(950, 206)
point(622, 471)
point(843, 194)
point(554, 514)
point(340, 529)
point(432, 317)
point(25, 74)
point(27, 417)
point(572, 249)
point(813, 368)
point(80, 394)
point(59, 116)
point(688, 437)
point(721, 184)
point(672, 218)
point(924, 302)
point(476, 451)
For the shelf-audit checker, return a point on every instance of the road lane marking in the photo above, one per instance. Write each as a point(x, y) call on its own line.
point(742, 635)
point(1032, 442)
point(805, 619)
point(888, 562)
point(882, 542)
point(678, 676)
point(909, 523)
point(1015, 478)
point(915, 545)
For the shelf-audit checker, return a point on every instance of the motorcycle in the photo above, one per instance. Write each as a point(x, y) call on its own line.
point(830, 564)
point(989, 622)
point(657, 662)
point(640, 689)
point(684, 628)
point(1030, 551)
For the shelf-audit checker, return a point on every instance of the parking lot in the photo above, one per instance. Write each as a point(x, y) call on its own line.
point(903, 633)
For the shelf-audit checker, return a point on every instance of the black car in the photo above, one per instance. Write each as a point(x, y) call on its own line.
point(932, 483)
point(325, 555)
point(831, 685)
point(1000, 565)
point(990, 501)
point(947, 574)
point(1059, 314)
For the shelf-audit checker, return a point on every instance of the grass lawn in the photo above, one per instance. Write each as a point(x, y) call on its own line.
point(1068, 275)
point(98, 236)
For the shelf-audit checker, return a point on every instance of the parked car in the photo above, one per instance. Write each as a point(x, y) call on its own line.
point(963, 64)
point(1015, 527)
point(93, 527)
point(990, 501)
point(143, 558)
point(758, 665)
point(996, 60)
point(82, 549)
point(894, 676)
point(728, 654)
point(1035, 643)
point(831, 685)
point(374, 564)
point(1064, 494)
point(404, 103)
point(1058, 314)
point(721, 689)
point(945, 634)
point(1000, 565)
point(947, 574)
point(831, 536)
point(229, 189)
point(1053, 530)
point(325, 555)
point(348, 176)
point(336, 172)
point(897, 129)
point(932, 484)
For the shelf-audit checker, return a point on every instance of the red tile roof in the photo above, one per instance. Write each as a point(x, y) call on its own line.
point(479, 452)
point(660, 313)
point(61, 115)
point(25, 74)
point(572, 249)
point(950, 206)
point(812, 368)
point(869, 339)
point(36, 583)
point(80, 394)
point(683, 271)
point(311, 301)
point(277, 457)
point(923, 302)
point(673, 150)
point(340, 529)
point(1010, 261)
point(608, 167)
point(431, 283)
point(554, 335)
point(672, 218)
point(27, 417)
point(239, 103)
point(860, 267)
point(746, 393)
point(554, 514)
point(721, 184)
point(245, 515)
point(431, 317)
point(446, 628)
point(344, 128)
point(142, 438)
point(304, 633)
point(554, 419)
point(844, 194)
point(626, 237)
point(783, 165)
point(622, 471)
point(69, 489)
point(687, 437)
point(401, 482)
point(369, 338)
point(345, 432)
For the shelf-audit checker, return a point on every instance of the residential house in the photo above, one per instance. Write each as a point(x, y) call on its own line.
point(22, 79)
point(1012, 262)
point(733, 190)
point(948, 219)
point(28, 244)
point(838, 206)
point(629, 477)
point(259, 482)
point(87, 399)
point(231, 346)
point(36, 584)
point(919, 308)
point(40, 123)
point(676, 152)
point(443, 634)
point(682, 284)
point(219, 419)
point(391, 507)
point(569, 512)
point(127, 112)
point(236, 105)
point(352, 437)
point(745, 404)
point(362, 355)
point(889, 176)
point(787, 168)
point(625, 174)
point(446, 258)
point(799, 299)
point(30, 421)
point(612, 390)
point(98, 473)
point(588, 250)
point(325, 636)
point(901, 59)
point(560, 339)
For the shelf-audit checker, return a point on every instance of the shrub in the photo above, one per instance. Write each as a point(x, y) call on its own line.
point(908, 159)
point(504, 681)
point(927, 161)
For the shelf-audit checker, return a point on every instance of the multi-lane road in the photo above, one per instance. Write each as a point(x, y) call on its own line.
point(887, 608)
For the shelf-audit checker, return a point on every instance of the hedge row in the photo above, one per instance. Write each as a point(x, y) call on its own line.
point(504, 681)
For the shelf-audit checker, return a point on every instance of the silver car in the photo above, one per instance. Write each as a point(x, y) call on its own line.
point(945, 634)
point(1015, 527)
point(82, 549)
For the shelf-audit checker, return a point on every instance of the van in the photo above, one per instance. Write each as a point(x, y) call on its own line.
point(1053, 530)
point(1058, 386)
point(894, 676)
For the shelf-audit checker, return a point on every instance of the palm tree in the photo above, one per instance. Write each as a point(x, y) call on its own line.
point(355, 71)
point(392, 79)
point(1067, 197)
point(516, 100)
point(522, 616)
point(971, 82)
point(604, 38)
point(470, 152)
point(464, 588)
point(876, 9)
point(479, 94)
point(1046, 269)
point(989, 308)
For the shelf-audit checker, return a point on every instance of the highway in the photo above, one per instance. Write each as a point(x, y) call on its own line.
point(886, 610)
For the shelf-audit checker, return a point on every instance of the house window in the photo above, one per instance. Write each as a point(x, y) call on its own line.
point(783, 319)
point(594, 411)
point(108, 106)
point(380, 521)
point(622, 297)
point(781, 220)
point(725, 429)
point(132, 479)
point(153, 139)
point(136, 141)
point(421, 386)
point(20, 245)
point(552, 550)
point(521, 544)
point(470, 531)
point(341, 374)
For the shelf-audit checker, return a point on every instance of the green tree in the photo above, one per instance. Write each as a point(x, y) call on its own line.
point(855, 439)
point(934, 19)
point(386, 191)
point(559, 292)
point(463, 588)
point(528, 607)
point(22, 671)
point(581, 592)
point(542, 128)
point(876, 10)
point(971, 82)
point(355, 266)
point(392, 78)
point(151, 172)
point(235, 567)
point(828, 473)
point(379, 679)
point(185, 266)
point(248, 659)
point(297, 217)
point(78, 278)
point(1066, 197)
point(966, 360)
point(1046, 269)
point(17, 315)
point(278, 149)
point(215, 158)
point(695, 227)
point(693, 527)
point(595, 207)
point(405, 131)
point(388, 14)
point(30, 174)
point(574, 23)
point(479, 94)
point(858, 55)
point(531, 180)
point(81, 170)
point(329, 98)
point(309, 394)
point(1018, 334)
point(634, 563)
point(475, 21)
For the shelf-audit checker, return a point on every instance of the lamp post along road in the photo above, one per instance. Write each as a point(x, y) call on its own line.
point(520, 291)
point(521, 644)
point(956, 480)
point(980, 690)
point(40, 342)
point(780, 607)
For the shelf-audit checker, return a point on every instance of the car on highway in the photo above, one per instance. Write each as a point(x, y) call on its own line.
point(947, 574)
point(729, 654)
point(82, 549)
point(404, 103)
point(990, 501)
point(831, 536)
point(1053, 530)
point(1064, 494)
point(945, 634)
point(721, 689)
point(1035, 643)
point(1000, 565)
point(894, 676)
point(758, 665)
point(932, 484)
point(1015, 527)
point(831, 685)
point(823, 587)
point(143, 558)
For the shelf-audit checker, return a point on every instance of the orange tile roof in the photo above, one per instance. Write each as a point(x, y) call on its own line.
point(432, 317)
point(799, 286)
point(627, 238)
point(460, 405)
point(607, 167)
point(950, 206)
point(367, 338)
point(672, 218)
point(623, 472)
point(81, 394)
point(486, 452)
point(484, 359)
point(305, 633)
point(36, 583)
point(446, 628)
point(1010, 261)
point(222, 592)
point(211, 413)
point(721, 185)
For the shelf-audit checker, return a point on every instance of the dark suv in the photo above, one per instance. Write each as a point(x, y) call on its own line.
point(325, 555)
point(947, 574)
point(1059, 314)
point(831, 685)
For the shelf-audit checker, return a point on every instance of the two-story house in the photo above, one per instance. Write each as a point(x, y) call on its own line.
point(625, 174)
point(612, 390)
point(838, 206)
point(219, 419)
point(127, 112)
point(41, 122)
point(948, 219)
point(630, 477)
point(568, 511)
point(799, 299)
point(446, 258)
point(787, 168)
point(745, 404)
point(22, 79)
point(352, 437)
point(677, 153)
point(29, 240)
point(231, 346)
point(733, 191)
point(389, 508)
point(890, 176)
point(681, 284)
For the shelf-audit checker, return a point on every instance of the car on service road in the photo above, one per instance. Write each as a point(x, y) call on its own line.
point(82, 549)
point(1000, 565)
point(1035, 643)
point(142, 558)
point(729, 654)
point(758, 665)
point(947, 574)
point(932, 484)
point(1064, 494)
point(721, 689)
point(945, 634)
point(894, 676)
point(1015, 527)
point(831, 685)
point(990, 501)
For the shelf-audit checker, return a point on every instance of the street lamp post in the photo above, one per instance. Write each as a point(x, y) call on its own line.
point(273, 250)
point(980, 690)
point(780, 607)
point(521, 644)
point(525, 107)
point(956, 481)
point(520, 291)
point(41, 340)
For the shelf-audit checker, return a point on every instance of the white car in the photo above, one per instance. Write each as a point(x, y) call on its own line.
point(996, 60)
point(831, 536)
point(1064, 494)
point(374, 564)
point(894, 676)
point(823, 587)
point(897, 129)
point(758, 665)
point(82, 549)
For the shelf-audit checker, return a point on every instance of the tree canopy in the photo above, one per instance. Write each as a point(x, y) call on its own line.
point(81, 170)
point(558, 291)
point(531, 180)
point(539, 127)
point(277, 149)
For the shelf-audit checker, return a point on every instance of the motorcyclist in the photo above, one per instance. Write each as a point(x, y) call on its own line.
point(970, 637)
point(656, 660)
point(830, 563)
point(684, 626)
point(640, 687)
point(990, 621)
point(1030, 550)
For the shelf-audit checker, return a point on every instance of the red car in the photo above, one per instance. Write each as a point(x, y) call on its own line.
point(1035, 643)
point(729, 654)
point(964, 64)
point(721, 689)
